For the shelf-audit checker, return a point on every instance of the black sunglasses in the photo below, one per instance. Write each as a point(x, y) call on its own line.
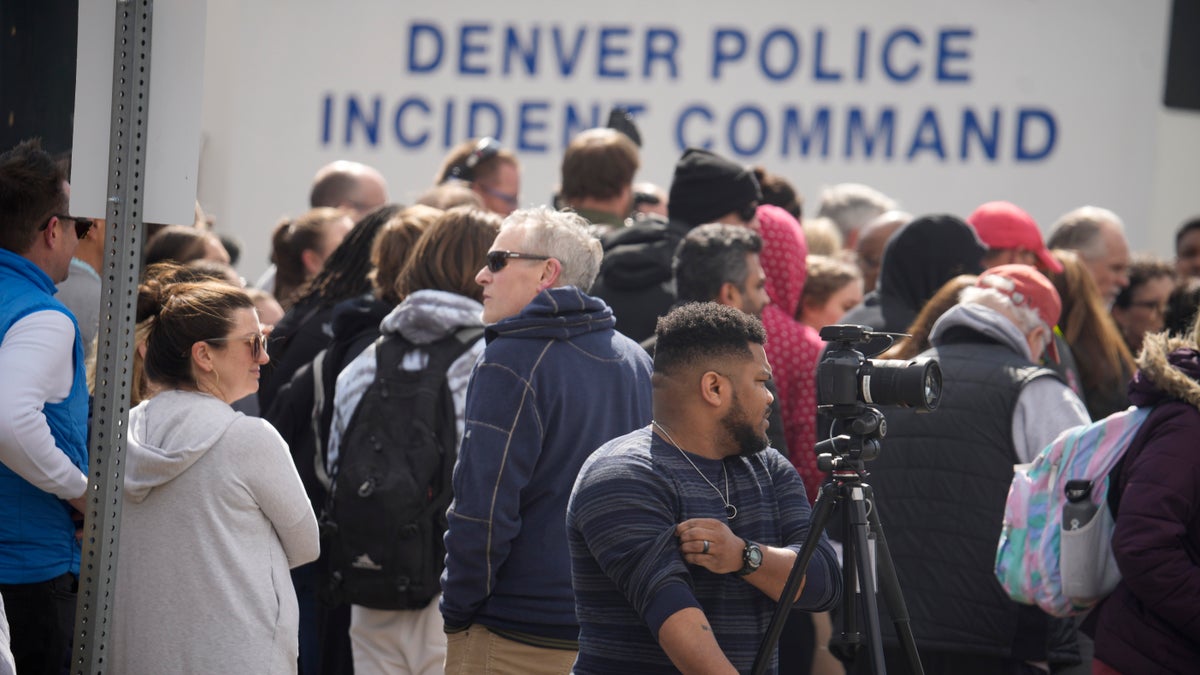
point(82, 225)
point(497, 260)
point(485, 149)
point(258, 343)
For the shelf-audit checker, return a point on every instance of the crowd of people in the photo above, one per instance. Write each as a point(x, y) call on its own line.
point(464, 437)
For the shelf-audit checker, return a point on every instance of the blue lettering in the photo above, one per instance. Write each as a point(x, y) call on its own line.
point(1025, 116)
point(326, 118)
point(791, 54)
point(720, 55)
point(467, 46)
point(946, 54)
point(526, 125)
point(818, 130)
point(688, 112)
point(860, 72)
point(759, 134)
point(575, 123)
point(370, 125)
point(448, 127)
point(886, 55)
point(477, 106)
point(567, 62)
point(927, 137)
point(819, 72)
point(988, 140)
point(526, 54)
point(397, 123)
point(429, 63)
point(856, 130)
point(610, 51)
point(667, 54)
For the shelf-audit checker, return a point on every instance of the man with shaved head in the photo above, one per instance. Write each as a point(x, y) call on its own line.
point(347, 185)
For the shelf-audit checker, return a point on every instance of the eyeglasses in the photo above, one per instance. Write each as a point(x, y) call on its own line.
point(485, 149)
point(82, 225)
point(1152, 306)
point(498, 260)
point(258, 343)
point(511, 200)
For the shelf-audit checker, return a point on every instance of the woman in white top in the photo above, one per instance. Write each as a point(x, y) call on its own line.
point(214, 514)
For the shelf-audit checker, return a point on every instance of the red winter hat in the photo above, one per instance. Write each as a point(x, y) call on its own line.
point(1006, 225)
point(1026, 287)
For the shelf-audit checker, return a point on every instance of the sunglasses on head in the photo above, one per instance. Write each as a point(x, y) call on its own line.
point(82, 225)
point(497, 260)
point(485, 149)
point(258, 343)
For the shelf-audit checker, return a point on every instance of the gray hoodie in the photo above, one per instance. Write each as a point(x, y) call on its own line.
point(423, 318)
point(213, 517)
point(1046, 406)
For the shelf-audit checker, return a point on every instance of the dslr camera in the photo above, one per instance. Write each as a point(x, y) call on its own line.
point(847, 378)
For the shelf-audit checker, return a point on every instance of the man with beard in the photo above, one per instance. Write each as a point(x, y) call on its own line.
point(720, 263)
point(710, 520)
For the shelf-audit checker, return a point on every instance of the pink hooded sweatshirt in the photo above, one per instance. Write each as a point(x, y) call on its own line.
point(793, 348)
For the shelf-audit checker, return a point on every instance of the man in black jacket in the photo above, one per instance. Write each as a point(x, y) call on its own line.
point(635, 276)
point(942, 478)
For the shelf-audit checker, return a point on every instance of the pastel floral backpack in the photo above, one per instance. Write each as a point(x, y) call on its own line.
point(1065, 571)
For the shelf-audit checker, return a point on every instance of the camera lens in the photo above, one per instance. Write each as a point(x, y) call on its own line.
point(916, 383)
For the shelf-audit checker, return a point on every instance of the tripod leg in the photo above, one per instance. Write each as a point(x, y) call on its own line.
point(889, 584)
point(820, 518)
point(866, 576)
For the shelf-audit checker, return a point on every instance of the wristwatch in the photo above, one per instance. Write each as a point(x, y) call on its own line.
point(751, 559)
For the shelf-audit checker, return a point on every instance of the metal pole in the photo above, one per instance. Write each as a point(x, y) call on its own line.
point(115, 345)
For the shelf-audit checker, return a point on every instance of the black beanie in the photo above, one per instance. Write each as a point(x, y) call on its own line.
point(707, 186)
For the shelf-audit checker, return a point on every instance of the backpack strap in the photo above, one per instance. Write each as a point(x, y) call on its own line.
point(318, 410)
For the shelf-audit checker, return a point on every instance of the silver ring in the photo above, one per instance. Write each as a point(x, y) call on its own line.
point(705, 546)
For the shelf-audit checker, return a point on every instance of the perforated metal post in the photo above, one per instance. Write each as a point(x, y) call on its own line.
point(115, 344)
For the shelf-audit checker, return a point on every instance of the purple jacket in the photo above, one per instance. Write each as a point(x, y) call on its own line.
point(1151, 622)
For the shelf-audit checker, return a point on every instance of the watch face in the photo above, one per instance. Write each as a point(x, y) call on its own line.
point(754, 556)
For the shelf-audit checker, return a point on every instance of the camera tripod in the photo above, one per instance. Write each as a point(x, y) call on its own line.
point(844, 456)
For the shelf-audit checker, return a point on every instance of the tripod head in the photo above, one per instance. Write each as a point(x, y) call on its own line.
point(848, 452)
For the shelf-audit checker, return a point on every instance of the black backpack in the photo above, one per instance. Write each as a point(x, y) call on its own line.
point(386, 514)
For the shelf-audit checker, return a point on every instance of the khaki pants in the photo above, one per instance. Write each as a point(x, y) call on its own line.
point(478, 651)
point(409, 642)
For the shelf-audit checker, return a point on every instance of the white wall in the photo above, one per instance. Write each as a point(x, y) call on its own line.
point(1092, 67)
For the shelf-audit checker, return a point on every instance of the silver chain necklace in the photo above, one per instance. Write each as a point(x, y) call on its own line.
point(730, 509)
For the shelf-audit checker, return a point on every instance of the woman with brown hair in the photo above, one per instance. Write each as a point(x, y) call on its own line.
point(439, 299)
point(1104, 361)
point(214, 513)
point(833, 287)
point(1141, 307)
point(300, 247)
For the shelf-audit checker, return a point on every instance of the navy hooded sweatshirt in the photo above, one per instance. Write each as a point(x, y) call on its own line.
point(554, 384)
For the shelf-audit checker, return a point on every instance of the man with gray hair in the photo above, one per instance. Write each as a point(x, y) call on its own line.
point(942, 481)
point(852, 206)
point(1098, 236)
point(554, 383)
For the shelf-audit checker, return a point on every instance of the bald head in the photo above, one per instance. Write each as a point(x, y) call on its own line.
point(356, 187)
point(871, 241)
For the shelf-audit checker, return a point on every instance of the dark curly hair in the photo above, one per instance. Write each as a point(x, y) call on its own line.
point(704, 331)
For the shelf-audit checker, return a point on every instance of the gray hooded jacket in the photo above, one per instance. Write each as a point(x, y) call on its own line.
point(214, 516)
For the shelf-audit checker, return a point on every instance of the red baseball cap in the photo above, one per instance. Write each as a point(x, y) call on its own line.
point(1006, 225)
point(1026, 287)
